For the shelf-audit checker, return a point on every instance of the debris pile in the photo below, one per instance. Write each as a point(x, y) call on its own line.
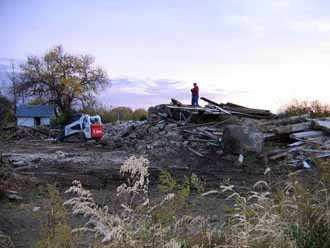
point(27, 133)
point(121, 129)
point(241, 111)
point(8, 180)
point(5, 173)
point(234, 129)
point(301, 139)
point(177, 127)
point(5, 241)
point(218, 129)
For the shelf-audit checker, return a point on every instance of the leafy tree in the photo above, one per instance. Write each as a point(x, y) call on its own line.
point(37, 101)
point(120, 113)
point(140, 114)
point(62, 78)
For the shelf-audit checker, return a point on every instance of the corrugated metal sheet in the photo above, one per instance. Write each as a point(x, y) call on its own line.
point(35, 111)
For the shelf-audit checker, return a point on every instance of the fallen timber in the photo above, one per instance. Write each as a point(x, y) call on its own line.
point(216, 105)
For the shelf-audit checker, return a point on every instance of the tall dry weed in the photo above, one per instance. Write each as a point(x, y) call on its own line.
point(283, 214)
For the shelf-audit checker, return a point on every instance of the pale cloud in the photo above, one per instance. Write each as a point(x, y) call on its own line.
point(147, 92)
point(281, 4)
point(246, 24)
point(319, 25)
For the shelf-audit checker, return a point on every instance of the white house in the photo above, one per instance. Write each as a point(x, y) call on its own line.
point(34, 115)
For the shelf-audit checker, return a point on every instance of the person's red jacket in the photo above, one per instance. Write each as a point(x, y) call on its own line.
point(195, 91)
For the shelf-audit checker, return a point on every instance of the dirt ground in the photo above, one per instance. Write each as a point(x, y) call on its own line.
point(97, 168)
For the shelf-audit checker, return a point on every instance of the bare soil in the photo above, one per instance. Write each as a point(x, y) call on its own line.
point(97, 168)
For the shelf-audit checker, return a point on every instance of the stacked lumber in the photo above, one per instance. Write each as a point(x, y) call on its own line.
point(247, 112)
point(215, 109)
point(309, 139)
point(238, 110)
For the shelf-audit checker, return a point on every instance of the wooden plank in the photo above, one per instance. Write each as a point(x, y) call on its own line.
point(208, 134)
point(298, 143)
point(242, 109)
point(244, 113)
point(279, 155)
point(293, 128)
point(198, 125)
point(306, 135)
point(321, 125)
point(216, 104)
point(314, 150)
point(287, 120)
point(199, 140)
point(195, 152)
point(186, 108)
point(255, 116)
point(177, 102)
point(268, 136)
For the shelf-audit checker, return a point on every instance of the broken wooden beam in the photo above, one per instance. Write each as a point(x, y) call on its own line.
point(216, 104)
point(279, 155)
point(207, 133)
point(176, 102)
point(195, 152)
point(186, 108)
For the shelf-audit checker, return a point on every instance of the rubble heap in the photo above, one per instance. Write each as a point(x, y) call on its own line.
point(177, 127)
point(27, 133)
point(235, 129)
point(302, 139)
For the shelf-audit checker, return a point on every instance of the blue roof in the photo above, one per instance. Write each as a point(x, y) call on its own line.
point(35, 110)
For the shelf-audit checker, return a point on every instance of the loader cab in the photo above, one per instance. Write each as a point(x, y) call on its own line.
point(96, 131)
point(96, 119)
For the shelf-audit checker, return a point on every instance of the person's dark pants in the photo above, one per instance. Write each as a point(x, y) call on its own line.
point(194, 101)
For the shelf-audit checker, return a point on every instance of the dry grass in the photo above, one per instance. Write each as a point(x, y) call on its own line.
point(314, 108)
point(284, 214)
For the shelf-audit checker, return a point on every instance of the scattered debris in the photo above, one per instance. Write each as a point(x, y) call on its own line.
point(5, 241)
point(35, 209)
point(31, 133)
point(216, 129)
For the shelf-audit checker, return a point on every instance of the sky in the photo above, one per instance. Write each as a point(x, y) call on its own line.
point(258, 53)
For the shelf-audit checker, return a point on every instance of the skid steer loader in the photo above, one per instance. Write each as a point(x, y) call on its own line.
point(86, 127)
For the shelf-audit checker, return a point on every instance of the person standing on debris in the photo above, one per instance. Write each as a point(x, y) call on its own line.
point(194, 95)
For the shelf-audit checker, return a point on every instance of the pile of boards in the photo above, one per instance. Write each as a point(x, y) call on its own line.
point(181, 112)
point(305, 139)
